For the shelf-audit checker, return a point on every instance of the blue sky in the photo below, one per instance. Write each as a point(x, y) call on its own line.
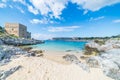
point(63, 18)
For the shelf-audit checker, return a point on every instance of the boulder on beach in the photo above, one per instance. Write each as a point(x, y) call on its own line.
point(93, 62)
point(27, 48)
point(75, 60)
point(5, 74)
point(91, 48)
point(108, 61)
point(9, 52)
point(70, 58)
point(108, 58)
point(94, 48)
point(37, 53)
point(100, 42)
point(105, 47)
point(1, 55)
point(111, 69)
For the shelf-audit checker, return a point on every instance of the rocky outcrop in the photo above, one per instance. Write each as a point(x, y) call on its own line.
point(95, 48)
point(71, 58)
point(20, 41)
point(91, 48)
point(5, 74)
point(27, 48)
point(111, 69)
point(37, 53)
point(108, 61)
point(1, 42)
point(113, 43)
point(75, 60)
point(1, 55)
point(8, 52)
point(93, 62)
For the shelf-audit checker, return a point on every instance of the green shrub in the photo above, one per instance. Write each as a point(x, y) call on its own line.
point(13, 36)
point(91, 51)
point(100, 42)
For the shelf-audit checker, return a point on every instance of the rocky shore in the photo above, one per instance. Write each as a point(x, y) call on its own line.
point(19, 41)
point(10, 53)
point(40, 68)
point(107, 57)
point(96, 59)
point(7, 53)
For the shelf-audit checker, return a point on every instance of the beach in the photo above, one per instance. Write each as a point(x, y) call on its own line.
point(43, 68)
point(96, 62)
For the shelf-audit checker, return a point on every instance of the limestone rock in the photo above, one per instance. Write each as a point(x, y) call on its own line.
point(9, 52)
point(70, 58)
point(75, 60)
point(19, 41)
point(91, 48)
point(5, 74)
point(1, 42)
point(2, 55)
point(111, 69)
point(93, 62)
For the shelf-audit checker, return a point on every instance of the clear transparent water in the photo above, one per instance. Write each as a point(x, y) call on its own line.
point(59, 45)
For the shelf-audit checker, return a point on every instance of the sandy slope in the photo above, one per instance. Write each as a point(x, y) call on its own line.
point(36, 68)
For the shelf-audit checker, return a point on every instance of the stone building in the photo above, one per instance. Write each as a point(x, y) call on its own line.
point(28, 35)
point(17, 29)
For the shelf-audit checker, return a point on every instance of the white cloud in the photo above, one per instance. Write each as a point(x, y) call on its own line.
point(35, 21)
point(42, 36)
point(54, 8)
point(49, 7)
point(33, 10)
point(85, 12)
point(4, 0)
point(20, 9)
point(94, 5)
point(95, 19)
point(116, 21)
point(21, 1)
point(10, 6)
point(63, 29)
point(2, 5)
point(41, 21)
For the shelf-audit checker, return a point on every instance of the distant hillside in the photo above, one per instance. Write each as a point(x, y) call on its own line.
point(84, 38)
point(117, 36)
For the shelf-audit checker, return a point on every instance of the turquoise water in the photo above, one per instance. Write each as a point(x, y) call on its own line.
point(59, 45)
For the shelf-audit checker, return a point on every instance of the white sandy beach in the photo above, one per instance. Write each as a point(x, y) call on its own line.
point(46, 68)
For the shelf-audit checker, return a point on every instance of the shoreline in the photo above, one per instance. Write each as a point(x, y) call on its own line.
point(46, 67)
point(40, 68)
point(59, 63)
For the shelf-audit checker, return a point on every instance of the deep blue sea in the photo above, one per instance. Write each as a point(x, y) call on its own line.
point(61, 46)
